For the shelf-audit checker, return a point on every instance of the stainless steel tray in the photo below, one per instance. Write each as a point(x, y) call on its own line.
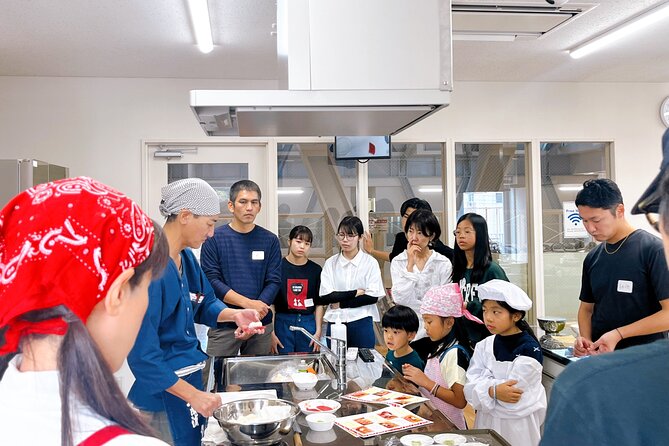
point(488, 436)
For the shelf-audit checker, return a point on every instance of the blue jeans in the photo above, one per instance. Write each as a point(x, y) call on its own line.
point(294, 341)
point(359, 333)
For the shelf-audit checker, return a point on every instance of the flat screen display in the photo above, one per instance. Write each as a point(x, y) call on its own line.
point(361, 147)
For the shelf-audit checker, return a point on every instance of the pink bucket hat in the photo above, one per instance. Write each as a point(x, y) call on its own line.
point(446, 301)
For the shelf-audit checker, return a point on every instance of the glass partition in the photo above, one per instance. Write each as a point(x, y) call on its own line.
point(318, 204)
point(564, 168)
point(491, 181)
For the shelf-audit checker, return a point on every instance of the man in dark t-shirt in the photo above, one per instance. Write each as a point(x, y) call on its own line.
point(619, 398)
point(625, 283)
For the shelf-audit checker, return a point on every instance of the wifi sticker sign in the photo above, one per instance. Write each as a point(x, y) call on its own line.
point(575, 218)
point(572, 222)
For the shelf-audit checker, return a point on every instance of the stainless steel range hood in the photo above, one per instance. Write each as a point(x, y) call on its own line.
point(312, 113)
point(367, 80)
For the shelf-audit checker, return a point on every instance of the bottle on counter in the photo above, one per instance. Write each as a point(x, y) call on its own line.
point(338, 330)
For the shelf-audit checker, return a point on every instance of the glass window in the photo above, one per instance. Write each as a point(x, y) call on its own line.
point(564, 168)
point(220, 176)
point(414, 170)
point(491, 181)
point(319, 205)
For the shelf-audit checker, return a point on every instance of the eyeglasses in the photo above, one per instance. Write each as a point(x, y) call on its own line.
point(653, 220)
point(467, 232)
point(341, 236)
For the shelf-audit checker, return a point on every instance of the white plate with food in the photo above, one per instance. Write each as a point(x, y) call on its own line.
point(318, 406)
point(450, 439)
point(416, 440)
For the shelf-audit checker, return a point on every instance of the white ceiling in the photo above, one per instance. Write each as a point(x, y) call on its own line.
point(153, 38)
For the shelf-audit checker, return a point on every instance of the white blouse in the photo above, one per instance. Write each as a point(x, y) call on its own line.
point(341, 274)
point(410, 287)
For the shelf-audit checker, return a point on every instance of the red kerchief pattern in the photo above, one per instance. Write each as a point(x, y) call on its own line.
point(64, 243)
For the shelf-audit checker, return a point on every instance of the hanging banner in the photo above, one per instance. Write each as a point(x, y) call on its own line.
point(572, 221)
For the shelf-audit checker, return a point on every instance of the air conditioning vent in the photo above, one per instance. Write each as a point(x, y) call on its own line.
point(507, 21)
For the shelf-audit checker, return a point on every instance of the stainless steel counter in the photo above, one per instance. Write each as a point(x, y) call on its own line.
point(361, 375)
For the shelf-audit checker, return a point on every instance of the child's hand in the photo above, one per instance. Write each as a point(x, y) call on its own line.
point(416, 376)
point(507, 393)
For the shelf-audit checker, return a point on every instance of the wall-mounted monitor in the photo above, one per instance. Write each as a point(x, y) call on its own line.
point(362, 147)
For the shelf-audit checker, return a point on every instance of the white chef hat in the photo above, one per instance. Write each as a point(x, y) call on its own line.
point(503, 291)
point(193, 194)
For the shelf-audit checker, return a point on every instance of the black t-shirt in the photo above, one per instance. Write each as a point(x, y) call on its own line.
point(625, 286)
point(299, 284)
point(401, 244)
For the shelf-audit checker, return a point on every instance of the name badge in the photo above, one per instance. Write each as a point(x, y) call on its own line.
point(308, 302)
point(258, 255)
point(625, 286)
point(196, 298)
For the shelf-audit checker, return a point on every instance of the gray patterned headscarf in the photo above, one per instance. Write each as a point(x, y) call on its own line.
point(193, 194)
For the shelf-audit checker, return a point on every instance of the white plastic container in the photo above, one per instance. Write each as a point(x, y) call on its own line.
point(337, 331)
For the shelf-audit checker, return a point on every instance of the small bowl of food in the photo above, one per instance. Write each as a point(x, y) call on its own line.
point(305, 380)
point(318, 406)
point(450, 439)
point(320, 422)
point(552, 325)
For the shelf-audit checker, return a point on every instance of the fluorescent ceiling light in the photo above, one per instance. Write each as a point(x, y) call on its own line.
point(199, 14)
point(631, 26)
point(290, 191)
point(480, 37)
point(570, 188)
point(430, 189)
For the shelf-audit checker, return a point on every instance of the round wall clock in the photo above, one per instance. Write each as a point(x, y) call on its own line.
point(664, 111)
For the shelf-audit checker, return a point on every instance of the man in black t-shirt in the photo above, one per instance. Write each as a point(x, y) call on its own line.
point(401, 241)
point(625, 283)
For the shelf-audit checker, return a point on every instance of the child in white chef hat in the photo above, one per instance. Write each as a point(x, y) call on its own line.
point(504, 375)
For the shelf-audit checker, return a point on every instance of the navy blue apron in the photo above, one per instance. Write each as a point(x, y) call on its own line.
point(187, 426)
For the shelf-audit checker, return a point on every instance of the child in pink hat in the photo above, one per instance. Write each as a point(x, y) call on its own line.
point(444, 377)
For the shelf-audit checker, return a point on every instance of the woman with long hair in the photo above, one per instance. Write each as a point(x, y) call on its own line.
point(472, 266)
point(76, 260)
point(418, 268)
point(351, 285)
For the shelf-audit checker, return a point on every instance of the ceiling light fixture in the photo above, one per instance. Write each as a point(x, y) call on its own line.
point(290, 191)
point(570, 188)
point(483, 37)
point(430, 189)
point(199, 14)
point(625, 29)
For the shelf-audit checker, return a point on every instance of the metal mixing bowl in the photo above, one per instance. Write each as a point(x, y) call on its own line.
point(552, 325)
point(255, 434)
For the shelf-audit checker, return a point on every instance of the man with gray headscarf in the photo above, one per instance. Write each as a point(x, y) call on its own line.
point(167, 360)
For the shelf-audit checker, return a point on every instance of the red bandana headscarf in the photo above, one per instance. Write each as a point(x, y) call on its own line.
point(64, 243)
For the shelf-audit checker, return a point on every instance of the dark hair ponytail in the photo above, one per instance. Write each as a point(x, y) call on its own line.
point(459, 333)
point(521, 323)
point(84, 375)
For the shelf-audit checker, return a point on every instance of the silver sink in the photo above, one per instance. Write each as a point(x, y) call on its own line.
point(272, 369)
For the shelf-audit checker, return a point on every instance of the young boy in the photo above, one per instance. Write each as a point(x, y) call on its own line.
point(400, 324)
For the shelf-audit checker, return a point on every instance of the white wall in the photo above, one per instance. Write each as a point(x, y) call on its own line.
point(95, 125)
